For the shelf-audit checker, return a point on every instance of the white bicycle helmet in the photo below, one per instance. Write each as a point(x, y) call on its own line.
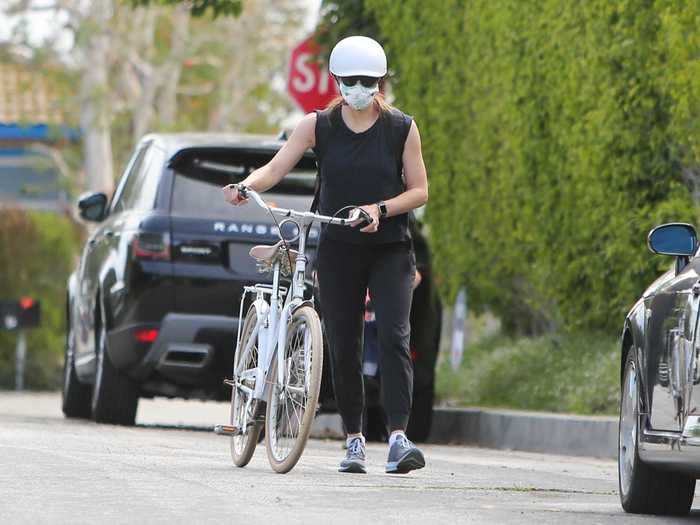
point(358, 56)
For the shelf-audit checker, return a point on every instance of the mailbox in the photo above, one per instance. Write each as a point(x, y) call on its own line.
point(16, 315)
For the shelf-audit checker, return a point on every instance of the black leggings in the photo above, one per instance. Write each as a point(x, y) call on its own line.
point(345, 272)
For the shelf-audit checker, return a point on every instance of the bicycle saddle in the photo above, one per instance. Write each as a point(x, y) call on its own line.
point(268, 254)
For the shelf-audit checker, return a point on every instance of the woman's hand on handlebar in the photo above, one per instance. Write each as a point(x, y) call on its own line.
point(232, 195)
point(373, 211)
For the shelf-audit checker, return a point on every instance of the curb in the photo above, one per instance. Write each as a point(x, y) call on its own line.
point(327, 426)
point(569, 435)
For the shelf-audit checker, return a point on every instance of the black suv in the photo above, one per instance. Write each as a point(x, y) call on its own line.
point(152, 309)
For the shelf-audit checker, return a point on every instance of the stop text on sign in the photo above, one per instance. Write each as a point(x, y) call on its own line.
point(311, 86)
point(309, 76)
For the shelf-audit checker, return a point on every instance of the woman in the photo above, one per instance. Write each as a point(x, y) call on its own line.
point(363, 146)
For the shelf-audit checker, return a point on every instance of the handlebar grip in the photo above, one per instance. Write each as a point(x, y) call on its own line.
point(242, 190)
point(366, 218)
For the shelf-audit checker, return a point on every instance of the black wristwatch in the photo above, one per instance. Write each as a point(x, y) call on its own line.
point(382, 209)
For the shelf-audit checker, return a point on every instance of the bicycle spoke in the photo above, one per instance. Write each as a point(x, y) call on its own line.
point(293, 396)
point(245, 373)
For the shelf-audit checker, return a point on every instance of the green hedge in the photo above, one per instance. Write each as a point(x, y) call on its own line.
point(37, 253)
point(556, 134)
point(572, 373)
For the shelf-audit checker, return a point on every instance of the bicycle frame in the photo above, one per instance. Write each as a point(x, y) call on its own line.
point(270, 329)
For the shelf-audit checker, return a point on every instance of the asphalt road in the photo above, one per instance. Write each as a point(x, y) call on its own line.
point(169, 469)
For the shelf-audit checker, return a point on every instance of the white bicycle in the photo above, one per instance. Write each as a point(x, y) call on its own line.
point(279, 348)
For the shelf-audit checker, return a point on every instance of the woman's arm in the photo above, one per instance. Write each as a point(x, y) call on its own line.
point(302, 138)
point(416, 194)
point(416, 178)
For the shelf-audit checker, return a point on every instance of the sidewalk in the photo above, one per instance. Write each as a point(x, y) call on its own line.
point(570, 435)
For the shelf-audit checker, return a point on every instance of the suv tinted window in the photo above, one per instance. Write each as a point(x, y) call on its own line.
point(125, 194)
point(147, 182)
point(197, 185)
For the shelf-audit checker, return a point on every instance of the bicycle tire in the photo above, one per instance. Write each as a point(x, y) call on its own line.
point(303, 316)
point(243, 445)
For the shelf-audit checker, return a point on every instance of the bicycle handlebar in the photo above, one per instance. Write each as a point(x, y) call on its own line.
point(356, 216)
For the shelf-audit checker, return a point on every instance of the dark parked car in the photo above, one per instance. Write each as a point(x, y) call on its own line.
point(153, 307)
point(659, 438)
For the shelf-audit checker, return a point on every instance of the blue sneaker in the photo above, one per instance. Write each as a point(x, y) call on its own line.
point(404, 457)
point(354, 461)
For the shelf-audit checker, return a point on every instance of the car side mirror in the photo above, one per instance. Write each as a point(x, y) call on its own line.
point(92, 206)
point(675, 238)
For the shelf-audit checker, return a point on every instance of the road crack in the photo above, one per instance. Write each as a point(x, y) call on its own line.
point(490, 489)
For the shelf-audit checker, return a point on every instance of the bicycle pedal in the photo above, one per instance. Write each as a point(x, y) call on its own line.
point(226, 430)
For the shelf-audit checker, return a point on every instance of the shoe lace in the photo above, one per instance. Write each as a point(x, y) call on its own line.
point(355, 448)
point(403, 442)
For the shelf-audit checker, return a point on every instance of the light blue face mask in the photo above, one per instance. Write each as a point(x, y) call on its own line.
point(358, 96)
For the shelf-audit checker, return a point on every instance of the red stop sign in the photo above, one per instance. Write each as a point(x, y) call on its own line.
point(309, 85)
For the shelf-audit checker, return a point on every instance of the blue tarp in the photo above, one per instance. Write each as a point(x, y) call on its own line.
point(38, 132)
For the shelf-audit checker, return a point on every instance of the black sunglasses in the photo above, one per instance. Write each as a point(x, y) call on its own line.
point(367, 82)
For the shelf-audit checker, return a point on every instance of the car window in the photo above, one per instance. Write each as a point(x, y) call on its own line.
point(197, 185)
point(146, 185)
point(125, 195)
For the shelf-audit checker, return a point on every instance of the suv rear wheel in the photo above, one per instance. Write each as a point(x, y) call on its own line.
point(115, 397)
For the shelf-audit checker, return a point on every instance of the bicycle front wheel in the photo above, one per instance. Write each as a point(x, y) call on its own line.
point(243, 406)
point(291, 403)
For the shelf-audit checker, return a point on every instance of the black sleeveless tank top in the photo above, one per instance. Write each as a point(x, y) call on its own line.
point(361, 168)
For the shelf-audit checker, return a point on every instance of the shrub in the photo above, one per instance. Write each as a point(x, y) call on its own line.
point(37, 253)
point(556, 134)
point(573, 373)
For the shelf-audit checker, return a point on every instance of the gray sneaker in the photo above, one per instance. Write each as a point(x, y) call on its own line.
point(404, 457)
point(354, 458)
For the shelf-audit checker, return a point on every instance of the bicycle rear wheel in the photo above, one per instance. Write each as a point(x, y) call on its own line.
point(291, 405)
point(243, 408)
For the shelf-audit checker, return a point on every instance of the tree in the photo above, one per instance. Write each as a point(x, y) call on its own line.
point(164, 65)
point(94, 40)
point(253, 51)
point(343, 18)
point(198, 8)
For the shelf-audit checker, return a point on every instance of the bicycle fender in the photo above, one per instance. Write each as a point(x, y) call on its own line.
point(307, 302)
point(261, 312)
point(261, 307)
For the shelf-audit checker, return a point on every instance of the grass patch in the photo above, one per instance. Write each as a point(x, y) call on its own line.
point(565, 373)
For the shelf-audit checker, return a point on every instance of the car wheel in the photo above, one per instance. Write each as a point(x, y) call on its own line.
point(421, 418)
point(643, 488)
point(76, 395)
point(115, 397)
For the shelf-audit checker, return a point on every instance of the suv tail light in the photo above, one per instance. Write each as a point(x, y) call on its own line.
point(146, 335)
point(152, 246)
